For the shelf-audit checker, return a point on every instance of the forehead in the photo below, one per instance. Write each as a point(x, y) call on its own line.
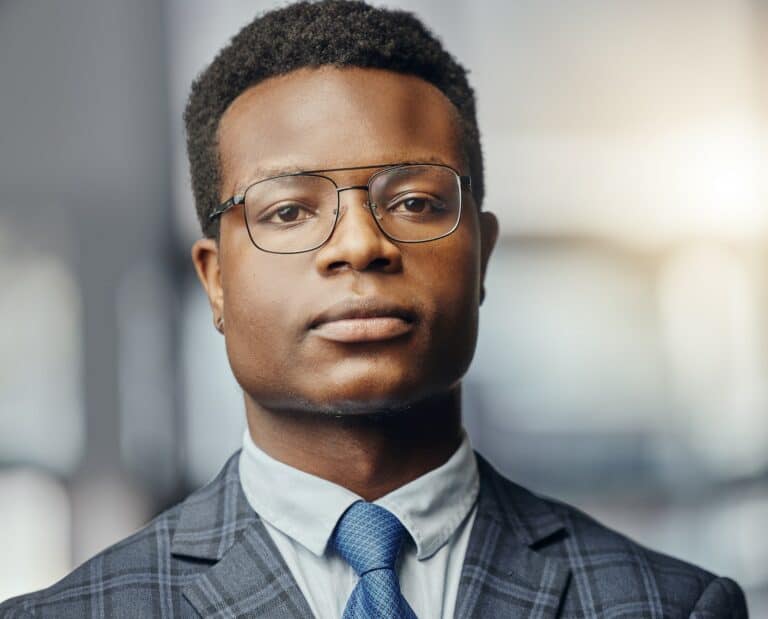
point(331, 117)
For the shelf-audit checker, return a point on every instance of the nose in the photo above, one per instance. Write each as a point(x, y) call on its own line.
point(357, 243)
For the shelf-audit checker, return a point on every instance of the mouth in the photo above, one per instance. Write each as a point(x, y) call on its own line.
point(363, 320)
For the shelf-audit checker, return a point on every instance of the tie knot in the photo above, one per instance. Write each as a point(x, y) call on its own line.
point(368, 537)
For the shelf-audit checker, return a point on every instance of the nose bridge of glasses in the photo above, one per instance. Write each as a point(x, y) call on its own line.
point(365, 203)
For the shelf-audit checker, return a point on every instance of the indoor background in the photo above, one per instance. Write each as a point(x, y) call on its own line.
point(623, 355)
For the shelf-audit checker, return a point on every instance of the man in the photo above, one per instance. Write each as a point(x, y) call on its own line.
point(337, 173)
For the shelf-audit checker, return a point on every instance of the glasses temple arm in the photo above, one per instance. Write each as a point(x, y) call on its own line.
point(224, 207)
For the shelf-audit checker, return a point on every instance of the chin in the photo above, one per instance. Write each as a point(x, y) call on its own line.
point(361, 401)
point(368, 395)
point(354, 386)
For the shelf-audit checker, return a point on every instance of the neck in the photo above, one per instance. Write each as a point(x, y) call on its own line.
point(371, 455)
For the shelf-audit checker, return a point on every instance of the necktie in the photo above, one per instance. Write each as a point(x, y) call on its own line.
point(369, 538)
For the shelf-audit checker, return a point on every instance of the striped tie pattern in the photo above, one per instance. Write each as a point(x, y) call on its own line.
point(369, 538)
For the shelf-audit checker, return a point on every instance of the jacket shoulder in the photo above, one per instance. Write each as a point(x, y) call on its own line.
point(612, 574)
point(144, 574)
point(594, 545)
point(134, 563)
point(608, 564)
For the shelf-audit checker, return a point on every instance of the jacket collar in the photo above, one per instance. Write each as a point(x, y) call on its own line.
point(504, 574)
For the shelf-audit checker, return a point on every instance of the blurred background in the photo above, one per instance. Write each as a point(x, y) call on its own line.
point(623, 354)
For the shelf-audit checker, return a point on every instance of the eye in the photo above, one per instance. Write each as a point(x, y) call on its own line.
point(416, 205)
point(287, 213)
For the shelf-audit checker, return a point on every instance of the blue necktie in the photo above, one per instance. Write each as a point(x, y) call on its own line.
point(369, 538)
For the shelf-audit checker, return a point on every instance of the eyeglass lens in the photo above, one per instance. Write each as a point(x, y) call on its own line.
point(297, 213)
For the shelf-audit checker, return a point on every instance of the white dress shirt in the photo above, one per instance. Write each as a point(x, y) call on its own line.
point(300, 512)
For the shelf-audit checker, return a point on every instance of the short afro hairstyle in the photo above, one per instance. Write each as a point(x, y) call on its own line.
point(341, 33)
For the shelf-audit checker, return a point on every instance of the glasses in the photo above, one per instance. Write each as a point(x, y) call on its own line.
point(298, 212)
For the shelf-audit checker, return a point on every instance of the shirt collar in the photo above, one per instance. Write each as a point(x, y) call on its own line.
point(307, 508)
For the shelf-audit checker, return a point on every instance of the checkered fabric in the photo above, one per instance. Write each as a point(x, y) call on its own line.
point(369, 538)
point(527, 558)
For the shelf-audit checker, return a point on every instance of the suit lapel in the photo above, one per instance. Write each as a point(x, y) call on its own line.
point(248, 575)
point(502, 575)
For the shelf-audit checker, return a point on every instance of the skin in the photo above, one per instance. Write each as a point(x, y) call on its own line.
point(368, 415)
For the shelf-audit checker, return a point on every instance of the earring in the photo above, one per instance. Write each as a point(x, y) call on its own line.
point(219, 324)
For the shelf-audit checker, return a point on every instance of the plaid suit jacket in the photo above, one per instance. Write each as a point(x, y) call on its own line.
point(211, 556)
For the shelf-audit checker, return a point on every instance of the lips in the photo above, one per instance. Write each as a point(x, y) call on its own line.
point(363, 320)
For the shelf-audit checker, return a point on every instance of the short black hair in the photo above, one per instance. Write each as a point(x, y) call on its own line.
point(342, 33)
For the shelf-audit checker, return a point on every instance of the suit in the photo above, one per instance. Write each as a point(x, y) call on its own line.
point(528, 556)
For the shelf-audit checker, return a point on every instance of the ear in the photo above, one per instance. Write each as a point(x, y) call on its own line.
point(489, 233)
point(205, 257)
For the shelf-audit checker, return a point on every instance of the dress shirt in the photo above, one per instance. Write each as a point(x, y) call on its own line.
point(300, 512)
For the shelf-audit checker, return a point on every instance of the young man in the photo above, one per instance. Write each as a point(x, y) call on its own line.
point(338, 177)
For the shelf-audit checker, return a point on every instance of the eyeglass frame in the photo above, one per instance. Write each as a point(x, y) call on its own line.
point(465, 182)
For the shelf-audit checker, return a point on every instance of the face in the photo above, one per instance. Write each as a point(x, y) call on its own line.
point(362, 324)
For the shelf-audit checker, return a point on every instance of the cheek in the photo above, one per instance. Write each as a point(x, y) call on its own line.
point(256, 321)
point(450, 271)
point(449, 278)
point(257, 288)
point(247, 300)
